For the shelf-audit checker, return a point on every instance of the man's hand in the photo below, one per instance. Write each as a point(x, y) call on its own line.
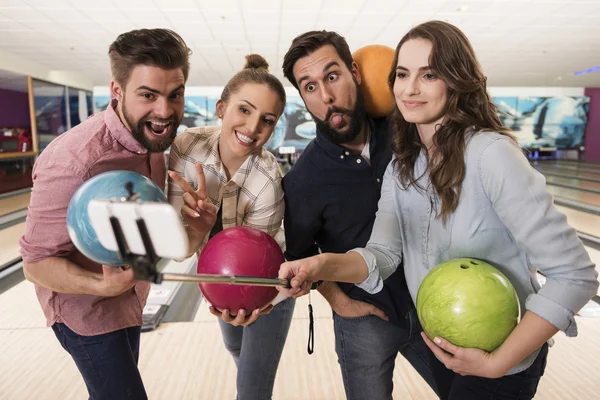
point(241, 319)
point(345, 306)
point(350, 308)
point(117, 280)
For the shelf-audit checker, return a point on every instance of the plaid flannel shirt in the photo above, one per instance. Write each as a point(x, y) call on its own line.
point(252, 197)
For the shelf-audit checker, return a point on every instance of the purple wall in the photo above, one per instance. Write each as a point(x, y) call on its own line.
point(592, 130)
point(14, 109)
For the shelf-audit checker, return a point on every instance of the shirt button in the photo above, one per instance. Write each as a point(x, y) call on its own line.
point(347, 153)
point(358, 161)
point(342, 156)
point(378, 180)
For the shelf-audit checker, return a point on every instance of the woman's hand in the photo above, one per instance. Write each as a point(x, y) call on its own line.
point(301, 274)
point(464, 361)
point(199, 213)
point(241, 318)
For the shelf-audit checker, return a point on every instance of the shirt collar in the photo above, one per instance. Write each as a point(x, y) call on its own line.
point(215, 160)
point(119, 132)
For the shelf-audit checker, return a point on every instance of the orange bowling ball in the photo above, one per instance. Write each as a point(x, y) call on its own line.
point(374, 64)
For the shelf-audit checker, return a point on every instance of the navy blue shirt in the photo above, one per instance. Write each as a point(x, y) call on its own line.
point(331, 198)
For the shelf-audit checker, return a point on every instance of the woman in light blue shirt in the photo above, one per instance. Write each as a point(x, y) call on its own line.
point(460, 186)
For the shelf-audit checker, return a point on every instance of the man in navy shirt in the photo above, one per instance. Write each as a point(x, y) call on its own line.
point(331, 196)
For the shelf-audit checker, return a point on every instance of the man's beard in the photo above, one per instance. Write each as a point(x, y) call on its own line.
point(156, 145)
point(356, 117)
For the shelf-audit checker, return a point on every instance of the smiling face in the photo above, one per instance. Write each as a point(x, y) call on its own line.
point(421, 95)
point(151, 104)
point(331, 94)
point(249, 118)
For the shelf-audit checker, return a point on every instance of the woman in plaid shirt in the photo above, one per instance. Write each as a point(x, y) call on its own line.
point(221, 177)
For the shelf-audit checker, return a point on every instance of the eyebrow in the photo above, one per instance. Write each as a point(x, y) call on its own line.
point(253, 106)
point(401, 68)
point(143, 87)
point(329, 65)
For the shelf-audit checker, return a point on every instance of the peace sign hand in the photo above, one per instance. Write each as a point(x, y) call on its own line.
point(199, 213)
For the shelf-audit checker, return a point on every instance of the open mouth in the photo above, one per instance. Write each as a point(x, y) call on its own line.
point(243, 139)
point(160, 129)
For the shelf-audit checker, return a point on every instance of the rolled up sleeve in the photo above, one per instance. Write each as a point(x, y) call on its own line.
point(518, 195)
point(46, 232)
point(383, 253)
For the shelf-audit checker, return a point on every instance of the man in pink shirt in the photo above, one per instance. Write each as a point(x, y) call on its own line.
point(95, 310)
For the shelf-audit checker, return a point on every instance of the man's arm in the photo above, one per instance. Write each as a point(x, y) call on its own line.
point(63, 276)
point(46, 244)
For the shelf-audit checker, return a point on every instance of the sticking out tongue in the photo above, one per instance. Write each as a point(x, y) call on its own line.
point(336, 120)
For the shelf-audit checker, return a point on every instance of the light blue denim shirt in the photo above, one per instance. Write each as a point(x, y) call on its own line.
point(505, 217)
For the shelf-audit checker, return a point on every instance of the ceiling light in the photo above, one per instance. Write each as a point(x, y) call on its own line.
point(588, 71)
point(463, 8)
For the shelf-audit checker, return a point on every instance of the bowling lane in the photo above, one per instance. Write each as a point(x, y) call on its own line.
point(574, 172)
point(583, 222)
point(595, 256)
point(579, 163)
point(566, 164)
point(14, 203)
point(9, 243)
point(576, 183)
point(574, 195)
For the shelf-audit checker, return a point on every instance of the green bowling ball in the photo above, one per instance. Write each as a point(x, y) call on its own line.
point(469, 303)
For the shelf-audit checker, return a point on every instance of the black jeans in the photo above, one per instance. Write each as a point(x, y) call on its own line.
point(520, 386)
point(108, 362)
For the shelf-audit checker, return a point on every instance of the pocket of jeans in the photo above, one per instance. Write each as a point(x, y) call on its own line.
point(75, 344)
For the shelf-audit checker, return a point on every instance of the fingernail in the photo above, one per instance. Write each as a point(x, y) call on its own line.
point(196, 215)
point(437, 340)
point(242, 312)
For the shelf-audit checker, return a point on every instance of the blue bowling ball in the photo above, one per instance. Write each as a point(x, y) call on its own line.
point(107, 185)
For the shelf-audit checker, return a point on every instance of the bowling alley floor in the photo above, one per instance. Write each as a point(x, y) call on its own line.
point(187, 360)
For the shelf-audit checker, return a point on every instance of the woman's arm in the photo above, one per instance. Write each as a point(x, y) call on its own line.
point(519, 197)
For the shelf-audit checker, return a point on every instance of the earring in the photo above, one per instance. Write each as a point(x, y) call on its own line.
point(221, 116)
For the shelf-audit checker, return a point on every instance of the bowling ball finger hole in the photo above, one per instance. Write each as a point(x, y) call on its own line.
point(474, 262)
point(464, 267)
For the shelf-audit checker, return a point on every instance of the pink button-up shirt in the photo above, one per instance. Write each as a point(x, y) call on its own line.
point(100, 144)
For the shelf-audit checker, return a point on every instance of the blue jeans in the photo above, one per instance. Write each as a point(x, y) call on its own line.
point(520, 386)
point(367, 348)
point(108, 362)
point(256, 350)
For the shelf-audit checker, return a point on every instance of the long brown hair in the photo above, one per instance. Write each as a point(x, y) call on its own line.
point(468, 110)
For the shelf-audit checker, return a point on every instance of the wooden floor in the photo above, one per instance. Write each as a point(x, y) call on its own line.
point(14, 203)
point(9, 243)
point(187, 360)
